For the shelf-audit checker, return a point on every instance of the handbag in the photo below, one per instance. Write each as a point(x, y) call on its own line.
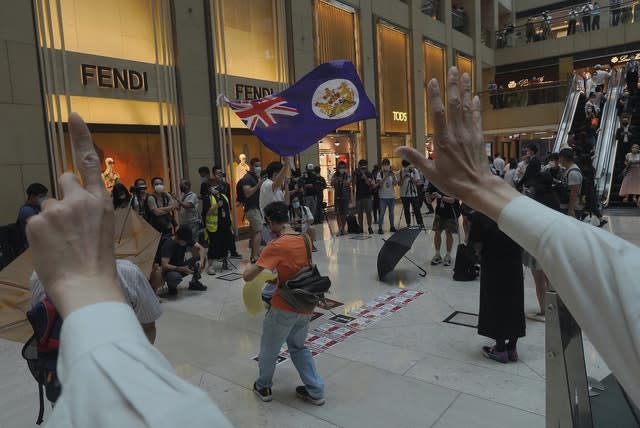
point(306, 288)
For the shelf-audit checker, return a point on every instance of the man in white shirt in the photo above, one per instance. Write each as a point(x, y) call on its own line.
point(600, 77)
point(137, 292)
point(499, 164)
point(592, 270)
point(273, 189)
point(386, 181)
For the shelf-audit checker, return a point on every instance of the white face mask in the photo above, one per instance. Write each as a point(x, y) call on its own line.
point(214, 190)
point(204, 179)
point(159, 188)
point(41, 199)
point(341, 170)
point(552, 164)
point(386, 167)
point(296, 205)
point(258, 170)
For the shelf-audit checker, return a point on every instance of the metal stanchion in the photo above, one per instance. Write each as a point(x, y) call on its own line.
point(567, 390)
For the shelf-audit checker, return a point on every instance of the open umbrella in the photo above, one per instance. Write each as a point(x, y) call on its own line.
point(134, 240)
point(395, 248)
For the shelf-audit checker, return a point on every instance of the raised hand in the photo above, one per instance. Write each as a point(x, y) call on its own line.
point(72, 238)
point(460, 168)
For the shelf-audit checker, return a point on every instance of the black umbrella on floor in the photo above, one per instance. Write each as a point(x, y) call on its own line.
point(395, 248)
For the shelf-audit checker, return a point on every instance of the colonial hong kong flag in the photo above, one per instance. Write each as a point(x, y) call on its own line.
point(328, 97)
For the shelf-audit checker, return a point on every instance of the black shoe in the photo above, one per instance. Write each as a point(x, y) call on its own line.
point(197, 285)
point(302, 393)
point(264, 394)
point(253, 260)
point(235, 256)
point(603, 223)
point(173, 291)
point(393, 229)
point(380, 232)
point(370, 230)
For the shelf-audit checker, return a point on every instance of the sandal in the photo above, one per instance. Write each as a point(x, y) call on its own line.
point(537, 316)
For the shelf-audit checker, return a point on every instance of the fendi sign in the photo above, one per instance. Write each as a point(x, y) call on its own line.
point(113, 78)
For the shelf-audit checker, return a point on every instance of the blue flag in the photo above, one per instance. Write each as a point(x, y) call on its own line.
point(328, 97)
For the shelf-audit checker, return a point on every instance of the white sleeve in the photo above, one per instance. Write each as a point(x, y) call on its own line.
point(308, 214)
point(136, 287)
point(594, 272)
point(106, 362)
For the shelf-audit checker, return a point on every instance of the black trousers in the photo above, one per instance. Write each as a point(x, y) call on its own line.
point(572, 27)
point(407, 204)
point(595, 23)
point(586, 23)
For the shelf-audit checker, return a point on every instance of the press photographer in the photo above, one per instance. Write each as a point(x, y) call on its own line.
point(409, 193)
point(341, 183)
point(364, 186)
point(175, 266)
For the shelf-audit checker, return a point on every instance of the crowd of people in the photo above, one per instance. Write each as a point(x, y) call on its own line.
point(119, 366)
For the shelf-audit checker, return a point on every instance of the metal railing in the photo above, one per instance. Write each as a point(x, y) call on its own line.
point(525, 96)
point(541, 29)
point(568, 113)
point(606, 145)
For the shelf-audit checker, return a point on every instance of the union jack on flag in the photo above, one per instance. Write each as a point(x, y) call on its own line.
point(262, 111)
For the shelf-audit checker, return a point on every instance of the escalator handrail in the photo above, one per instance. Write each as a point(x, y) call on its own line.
point(568, 112)
point(606, 145)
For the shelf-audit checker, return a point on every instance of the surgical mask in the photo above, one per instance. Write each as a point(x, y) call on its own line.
point(386, 167)
point(41, 199)
point(257, 170)
point(122, 196)
point(552, 164)
point(214, 190)
point(296, 205)
point(341, 170)
point(204, 179)
point(159, 188)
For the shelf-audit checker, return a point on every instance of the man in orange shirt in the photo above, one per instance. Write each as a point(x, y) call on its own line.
point(286, 254)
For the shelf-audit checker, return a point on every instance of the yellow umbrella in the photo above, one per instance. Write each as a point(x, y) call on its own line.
point(252, 291)
point(135, 240)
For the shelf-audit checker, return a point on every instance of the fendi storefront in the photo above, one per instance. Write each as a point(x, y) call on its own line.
point(249, 55)
point(112, 62)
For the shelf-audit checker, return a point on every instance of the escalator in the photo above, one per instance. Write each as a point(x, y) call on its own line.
point(609, 158)
point(572, 114)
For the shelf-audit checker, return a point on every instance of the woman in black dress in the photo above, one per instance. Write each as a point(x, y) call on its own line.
point(501, 289)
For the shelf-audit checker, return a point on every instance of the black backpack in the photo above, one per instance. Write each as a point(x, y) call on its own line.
point(41, 351)
point(240, 196)
point(352, 224)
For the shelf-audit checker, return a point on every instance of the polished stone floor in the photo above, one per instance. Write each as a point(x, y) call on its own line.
point(408, 370)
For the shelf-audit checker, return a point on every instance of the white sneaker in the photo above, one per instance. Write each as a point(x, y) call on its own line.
point(447, 260)
point(436, 260)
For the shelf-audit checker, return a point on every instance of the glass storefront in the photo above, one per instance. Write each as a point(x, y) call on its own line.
point(394, 98)
point(465, 65)
point(435, 67)
point(123, 85)
point(249, 41)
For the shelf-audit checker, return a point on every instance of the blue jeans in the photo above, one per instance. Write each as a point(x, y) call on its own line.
point(384, 204)
point(278, 327)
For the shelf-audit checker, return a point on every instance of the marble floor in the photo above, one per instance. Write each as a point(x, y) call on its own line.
point(408, 370)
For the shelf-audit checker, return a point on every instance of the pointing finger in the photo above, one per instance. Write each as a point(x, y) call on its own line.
point(86, 156)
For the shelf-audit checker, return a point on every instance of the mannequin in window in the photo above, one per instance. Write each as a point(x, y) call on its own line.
point(110, 176)
point(242, 168)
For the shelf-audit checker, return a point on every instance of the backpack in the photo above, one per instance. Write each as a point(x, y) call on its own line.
point(240, 196)
point(352, 224)
point(41, 351)
point(562, 188)
point(305, 289)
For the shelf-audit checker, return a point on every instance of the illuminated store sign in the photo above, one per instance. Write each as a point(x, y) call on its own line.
point(400, 116)
point(113, 78)
point(251, 92)
point(620, 59)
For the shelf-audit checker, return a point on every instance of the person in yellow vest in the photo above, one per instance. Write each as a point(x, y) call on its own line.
point(218, 229)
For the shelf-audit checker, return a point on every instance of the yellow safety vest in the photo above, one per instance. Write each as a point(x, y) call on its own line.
point(211, 220)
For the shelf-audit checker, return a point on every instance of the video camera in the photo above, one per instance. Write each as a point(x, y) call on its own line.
point(194, 264)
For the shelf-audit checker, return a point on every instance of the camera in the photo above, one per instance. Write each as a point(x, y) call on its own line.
point(194, 264)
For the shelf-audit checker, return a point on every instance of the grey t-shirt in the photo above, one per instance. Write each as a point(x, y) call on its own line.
point(190, 215)
point(132, 282)
point(573, 177)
